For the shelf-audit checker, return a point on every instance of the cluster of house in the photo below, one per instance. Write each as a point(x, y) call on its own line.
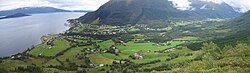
point(138, 55)
point(119, 42)
point(169, 50)
point(105, 31)
point(47, 39)
point(113, 50)
point(18, 56)
point(163, 44)
point(96, 65)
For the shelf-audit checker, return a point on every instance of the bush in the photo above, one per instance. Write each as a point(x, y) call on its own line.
point(3, 70)
point(29, 69)
point(211, 51)
point(159, 68)
point(198, 58)
point(151, 62)
point(81, 71)
point(173, 55)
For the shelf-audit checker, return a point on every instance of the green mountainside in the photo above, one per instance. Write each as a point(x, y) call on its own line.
point(121, 12)
point(240, 29)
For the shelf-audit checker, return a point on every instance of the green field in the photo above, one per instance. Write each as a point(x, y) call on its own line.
point(106, 44)
point(89, 49)
point(130, 48)
point(45, 50)
point(187, 38)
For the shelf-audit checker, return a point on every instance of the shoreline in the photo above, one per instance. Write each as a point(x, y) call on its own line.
point(67, 23)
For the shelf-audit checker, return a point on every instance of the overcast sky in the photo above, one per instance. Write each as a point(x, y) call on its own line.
point(63, 4)
point(243, 5)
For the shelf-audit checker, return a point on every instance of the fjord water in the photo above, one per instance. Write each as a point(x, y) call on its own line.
point(18, 34)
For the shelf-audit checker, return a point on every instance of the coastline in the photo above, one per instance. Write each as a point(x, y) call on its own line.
point(33, 30)
point(68, 23)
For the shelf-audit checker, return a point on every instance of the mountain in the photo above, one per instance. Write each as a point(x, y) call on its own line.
point(139, 11)
point(214, 10)
point(15, 15)
point(31, 10)
point(242, 23)
point(239, 28)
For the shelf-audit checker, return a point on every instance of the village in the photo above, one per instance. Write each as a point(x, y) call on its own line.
point(92, 47)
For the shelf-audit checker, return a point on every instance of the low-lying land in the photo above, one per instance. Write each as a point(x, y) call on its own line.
point(97, 48)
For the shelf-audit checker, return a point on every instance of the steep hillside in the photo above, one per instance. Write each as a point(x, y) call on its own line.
point(239, 28)
point(142, 11)
point(241, 23)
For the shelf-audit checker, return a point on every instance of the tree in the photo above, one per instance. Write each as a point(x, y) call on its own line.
point(29, 69)
point(81, 71)
point(3, 70)
point(226, 48)
point(96, 21)
point(211, 51)
point(238, 50)
point(173, 55)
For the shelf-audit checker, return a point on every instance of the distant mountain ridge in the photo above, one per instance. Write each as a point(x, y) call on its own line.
point(135, 11)
point(35, 10)
point(15, 15)
point(214, 10)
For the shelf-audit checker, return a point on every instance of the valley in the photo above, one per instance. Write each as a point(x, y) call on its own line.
point(95, 48)
point(128, 36)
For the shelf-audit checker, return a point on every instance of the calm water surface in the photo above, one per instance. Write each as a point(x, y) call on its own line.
point(18, 34)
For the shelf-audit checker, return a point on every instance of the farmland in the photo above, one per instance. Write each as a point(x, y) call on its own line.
point(109, 48)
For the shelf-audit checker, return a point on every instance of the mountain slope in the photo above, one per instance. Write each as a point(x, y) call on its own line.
point(31, 10)
point(241, 23)
point(134, 11)
point(240, 28)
